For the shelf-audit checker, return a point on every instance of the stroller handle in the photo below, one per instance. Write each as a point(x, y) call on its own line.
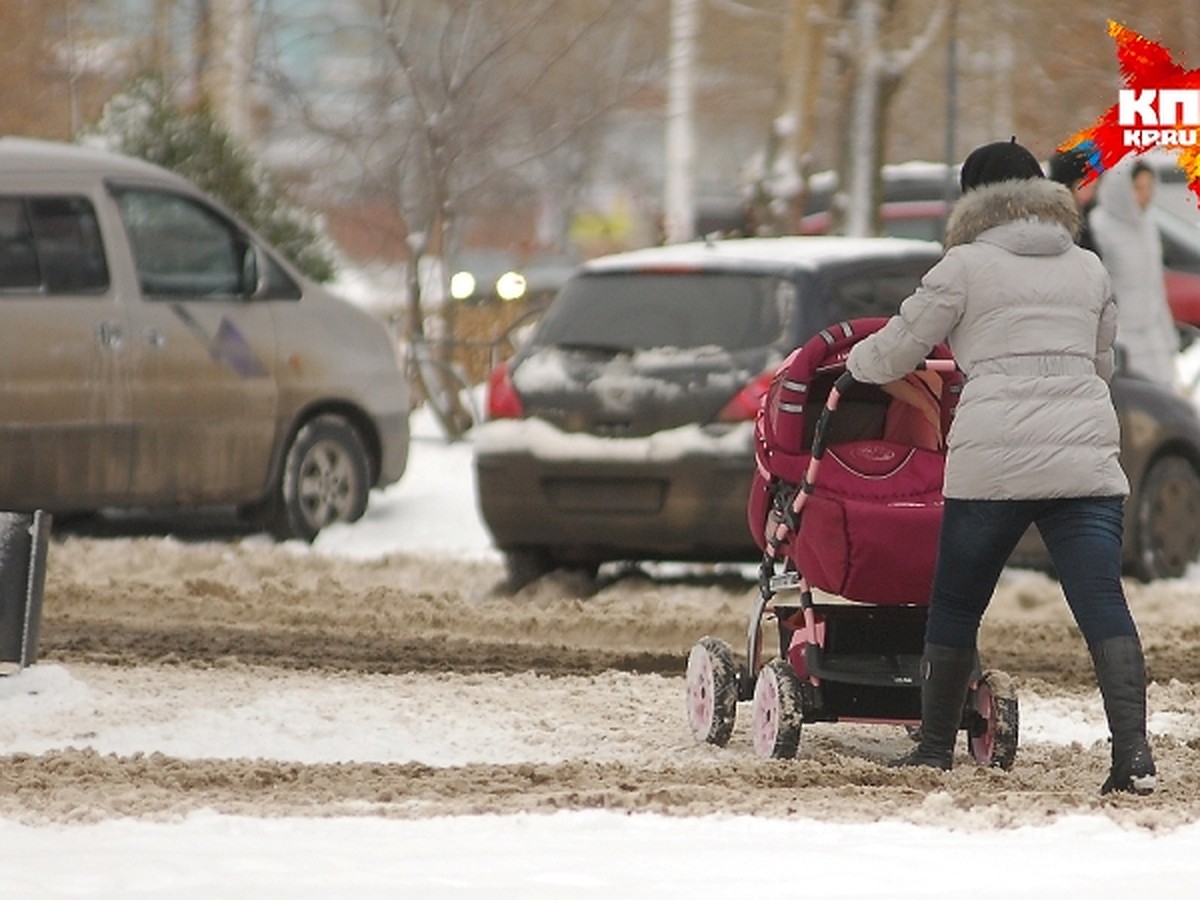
point(845, 381)
point(937, 365)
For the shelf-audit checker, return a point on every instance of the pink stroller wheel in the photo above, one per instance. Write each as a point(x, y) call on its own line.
point(992, 733)
point(712, 691)
point(777, 715)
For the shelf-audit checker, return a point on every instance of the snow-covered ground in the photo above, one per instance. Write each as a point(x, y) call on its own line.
point(589, 854)
point(567, 854)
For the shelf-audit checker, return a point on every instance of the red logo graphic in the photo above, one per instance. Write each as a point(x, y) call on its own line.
point(1160, 107)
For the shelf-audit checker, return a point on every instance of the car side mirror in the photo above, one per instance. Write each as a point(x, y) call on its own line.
point(251, 280)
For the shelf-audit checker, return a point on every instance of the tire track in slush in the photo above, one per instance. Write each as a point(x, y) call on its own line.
point(84, 786)
point(208, 605)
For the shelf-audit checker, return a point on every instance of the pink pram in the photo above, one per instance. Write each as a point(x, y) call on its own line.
point(847, 499)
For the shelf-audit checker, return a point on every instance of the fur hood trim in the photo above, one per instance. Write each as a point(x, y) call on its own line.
point(1010, 201)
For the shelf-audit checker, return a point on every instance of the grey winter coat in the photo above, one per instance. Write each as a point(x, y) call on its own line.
point(1129, 243)
point(1031, 320)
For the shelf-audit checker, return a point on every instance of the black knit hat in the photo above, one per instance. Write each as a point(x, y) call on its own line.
point(1001, 161)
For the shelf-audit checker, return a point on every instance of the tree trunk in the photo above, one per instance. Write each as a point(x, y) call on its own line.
point(679, 219)
point(780, 191)
point(861, 192)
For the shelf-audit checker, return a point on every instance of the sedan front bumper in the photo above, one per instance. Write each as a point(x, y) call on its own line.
point(677, 495)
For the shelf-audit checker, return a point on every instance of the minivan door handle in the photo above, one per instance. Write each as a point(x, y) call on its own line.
point(108, 334)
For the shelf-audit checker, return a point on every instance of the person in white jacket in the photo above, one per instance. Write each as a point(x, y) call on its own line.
point(1130, 247)
point(1031, 320)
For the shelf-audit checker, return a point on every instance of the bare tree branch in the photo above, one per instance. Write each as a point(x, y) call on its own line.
point(897, 62)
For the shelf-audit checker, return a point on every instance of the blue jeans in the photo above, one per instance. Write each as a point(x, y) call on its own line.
point(1083, 535)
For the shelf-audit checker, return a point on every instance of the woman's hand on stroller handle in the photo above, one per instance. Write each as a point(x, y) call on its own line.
point(847, 380)
point(844, 382)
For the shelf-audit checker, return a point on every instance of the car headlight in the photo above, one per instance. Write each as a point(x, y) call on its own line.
point(462, 285)
point(510, 286)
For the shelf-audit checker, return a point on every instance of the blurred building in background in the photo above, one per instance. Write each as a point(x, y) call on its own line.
point(320, 93)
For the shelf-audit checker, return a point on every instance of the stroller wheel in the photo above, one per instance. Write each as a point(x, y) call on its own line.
point(994, 720)
point(777, 715)
point(712, 691)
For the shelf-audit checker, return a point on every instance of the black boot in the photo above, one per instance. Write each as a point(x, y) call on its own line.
point(945, 676)
point(1121, 672)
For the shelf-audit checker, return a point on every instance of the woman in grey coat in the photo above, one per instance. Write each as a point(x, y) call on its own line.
point(1128, 241)
point(1031, 319)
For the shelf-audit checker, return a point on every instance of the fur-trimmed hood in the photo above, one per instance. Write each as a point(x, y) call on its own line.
point(1032, 201)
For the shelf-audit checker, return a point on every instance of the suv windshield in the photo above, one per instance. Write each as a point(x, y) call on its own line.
point(641, 310)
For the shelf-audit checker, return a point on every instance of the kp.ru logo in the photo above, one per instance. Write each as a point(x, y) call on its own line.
point(1142, 113)
point(1160, 107)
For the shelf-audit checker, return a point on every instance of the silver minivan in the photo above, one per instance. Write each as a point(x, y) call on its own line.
point(157, 354)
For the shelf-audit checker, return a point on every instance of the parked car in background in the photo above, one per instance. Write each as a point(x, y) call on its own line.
point(159, 355)
point(623, 429)
point(1178, 215)
point(492, 275)
point(917, 199)
point(481, 276)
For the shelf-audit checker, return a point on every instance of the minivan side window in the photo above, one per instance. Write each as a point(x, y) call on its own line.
point(50, 245)
point(180, 246)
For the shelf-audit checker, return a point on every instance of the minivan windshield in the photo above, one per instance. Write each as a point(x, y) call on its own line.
point(641, 310)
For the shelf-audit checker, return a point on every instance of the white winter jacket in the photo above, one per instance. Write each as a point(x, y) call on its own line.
point(1131, 248)
point(1031, 320)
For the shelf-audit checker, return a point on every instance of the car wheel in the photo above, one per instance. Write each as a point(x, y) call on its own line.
point(523, 567)
point(325, 479)
point(1168, 519)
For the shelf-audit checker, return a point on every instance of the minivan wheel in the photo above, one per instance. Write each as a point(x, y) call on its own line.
point(325, 479)
point(1168, 519)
